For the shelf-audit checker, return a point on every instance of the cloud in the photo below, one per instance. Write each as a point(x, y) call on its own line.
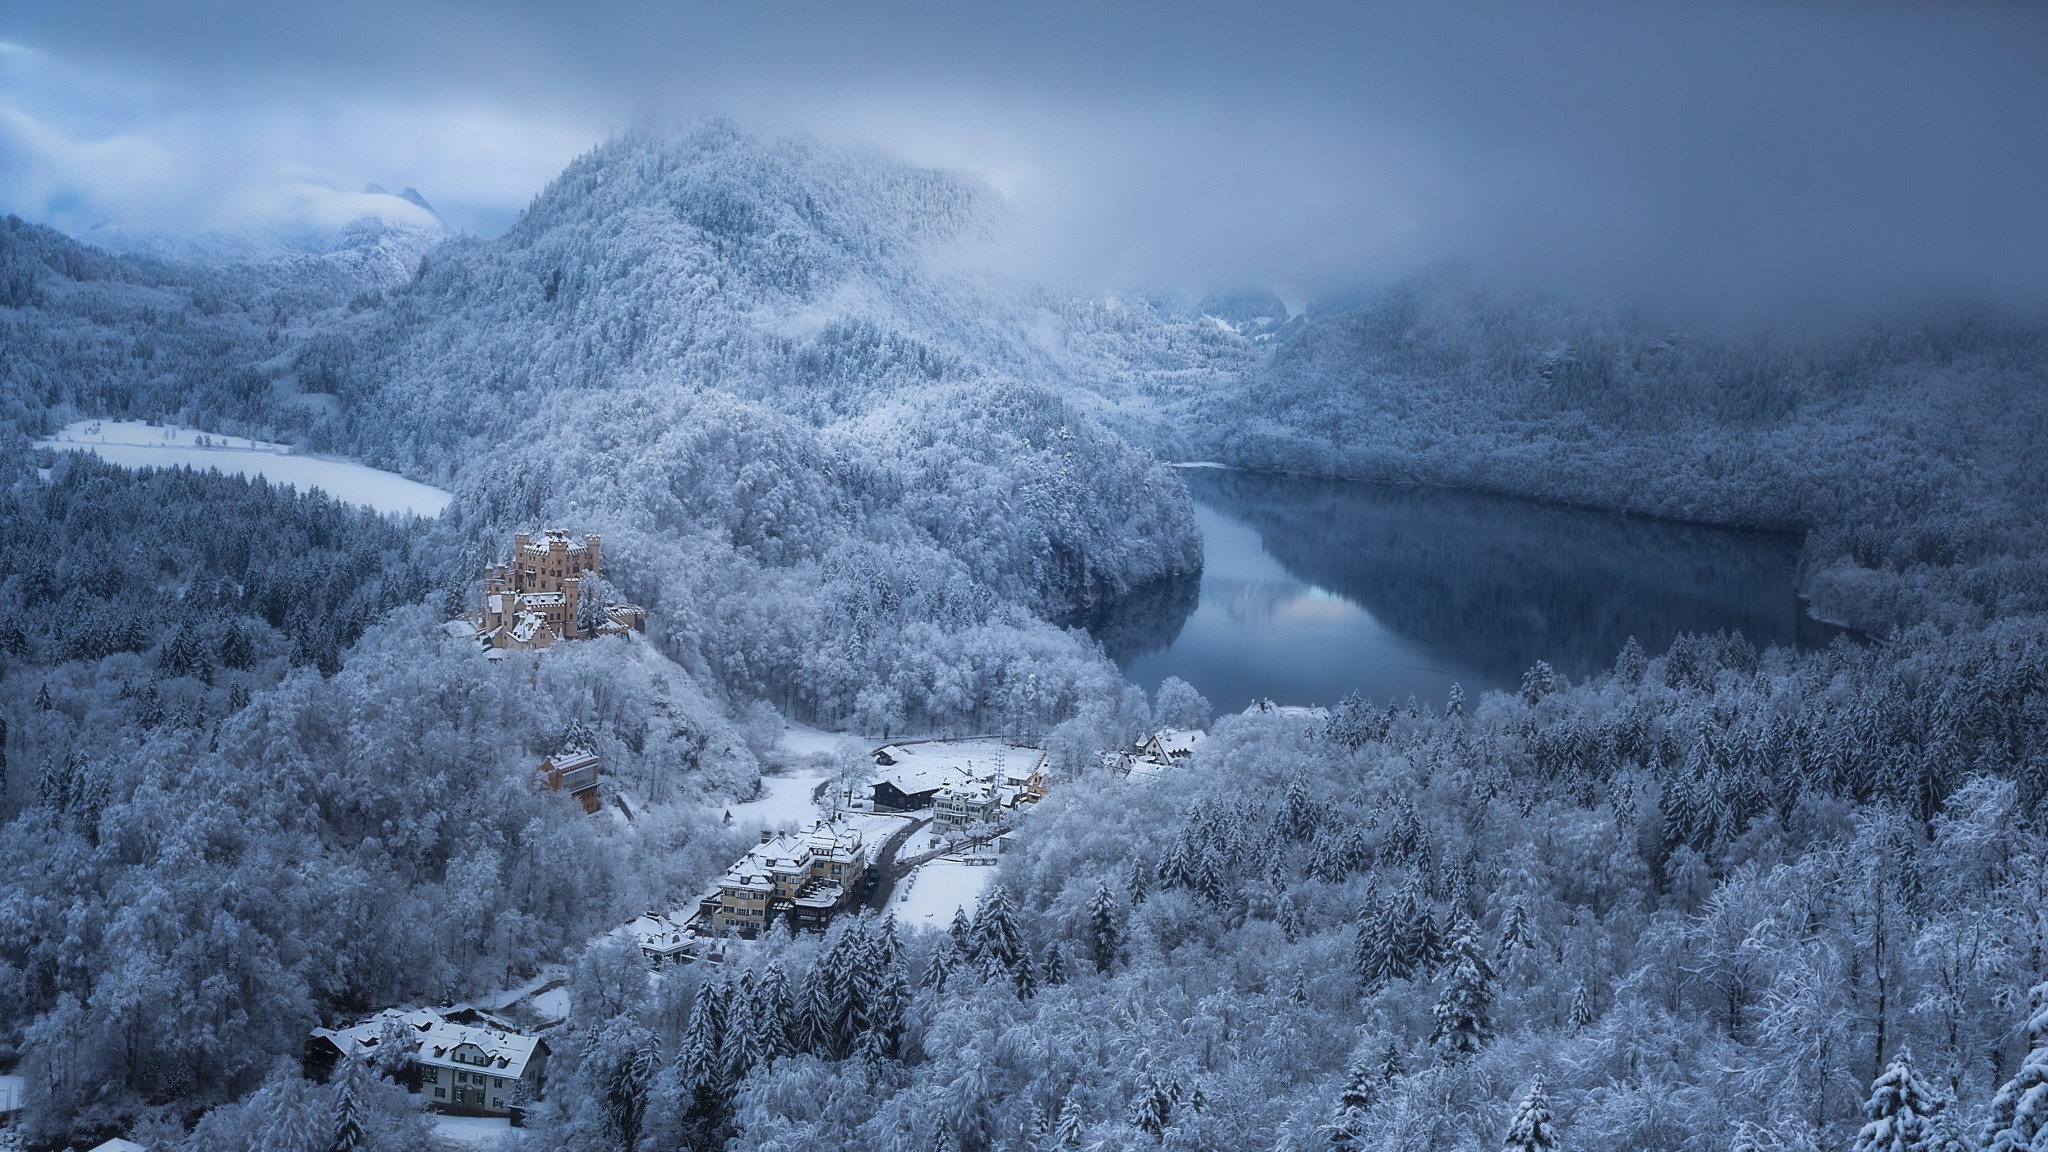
point(1728, 147)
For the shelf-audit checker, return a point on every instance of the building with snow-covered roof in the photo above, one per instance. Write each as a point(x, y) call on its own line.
point(1170, 746)
point(908, 777)
point(807, 876)
point(961, 803)
point(573, 771)
point(470, 1070)
point(387, 1039)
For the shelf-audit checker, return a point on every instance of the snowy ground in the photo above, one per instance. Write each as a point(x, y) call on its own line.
point(476, 1132)
point(783, 800)
point(929, 896)
point(133, 444)
point(552, 1004)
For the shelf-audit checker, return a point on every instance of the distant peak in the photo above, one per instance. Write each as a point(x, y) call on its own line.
point(412, 195)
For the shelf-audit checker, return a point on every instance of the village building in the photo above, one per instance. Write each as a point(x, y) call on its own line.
point(804, 876)
point(470, 1070)
point(372, 1040)
point(962, 803)
point(537, 597)
point(910, 777)
point(574, 772)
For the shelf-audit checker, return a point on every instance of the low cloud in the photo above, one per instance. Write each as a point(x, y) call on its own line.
point(1799, 149)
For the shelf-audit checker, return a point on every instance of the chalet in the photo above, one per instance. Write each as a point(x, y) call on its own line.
point(807, 876)
point(574, 772)
point(536, 598)
point(470, 1070)
point(1170, 746)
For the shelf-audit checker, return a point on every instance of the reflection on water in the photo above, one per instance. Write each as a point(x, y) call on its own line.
point(1312, 589)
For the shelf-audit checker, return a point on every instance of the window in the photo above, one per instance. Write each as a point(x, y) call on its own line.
point(497, 1081)
point(433, 1077)
point(440, 1093)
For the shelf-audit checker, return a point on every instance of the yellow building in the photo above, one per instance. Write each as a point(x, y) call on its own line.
point(806, 876)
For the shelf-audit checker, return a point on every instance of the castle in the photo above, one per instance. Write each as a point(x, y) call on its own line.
point(537, 598)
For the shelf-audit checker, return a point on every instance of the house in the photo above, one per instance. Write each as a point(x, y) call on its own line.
point(471, 1070)
point(807, 876)
point(536, 598)
point(664, 939)
point(1170, 746)
point(574, 772)
point(118, 1144)
point(371, 1040)
point(965, 802)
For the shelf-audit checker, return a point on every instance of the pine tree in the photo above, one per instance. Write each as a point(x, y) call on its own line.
point(1135, 882)
point(1391, 1068)
point(1582, 1016)
point(1152, 1110)
point(1530, 1129)
point(1360, 1092)
point(1462, 1012)
point(961, 933)
point(1631, 664)
point(43, 702)
point(353, 1082)
point(1900, 1108)
point(1105, 935)
point(1066, 1135)
point(940, 969)
point(1055, 966)
point(1297, 988)
point(2019, 1112)
point(1289, 916)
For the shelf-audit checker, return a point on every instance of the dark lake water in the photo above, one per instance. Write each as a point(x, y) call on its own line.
point(1312, 589)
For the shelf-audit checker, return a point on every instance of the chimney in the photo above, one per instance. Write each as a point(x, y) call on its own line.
point(766, 835)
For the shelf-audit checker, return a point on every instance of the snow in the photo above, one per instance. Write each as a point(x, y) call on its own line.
point(804, 740)
point(134, 444)
point(552, 1004)
point(931, 894)
point(783, 800)
point(13, 1091)
point(475, 1131)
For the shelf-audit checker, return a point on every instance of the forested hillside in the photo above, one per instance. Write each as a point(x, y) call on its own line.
point(1906, 446)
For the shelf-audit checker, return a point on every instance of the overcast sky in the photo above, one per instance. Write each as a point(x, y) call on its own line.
point(1828, 149)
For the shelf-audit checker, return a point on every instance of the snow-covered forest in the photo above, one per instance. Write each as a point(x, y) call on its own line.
point(1716, 898)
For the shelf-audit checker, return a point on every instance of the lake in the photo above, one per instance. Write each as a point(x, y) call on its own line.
point(1313, 589)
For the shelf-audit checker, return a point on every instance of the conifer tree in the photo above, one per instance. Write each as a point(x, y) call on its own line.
point(1297, 988)
point(1462, 1012)
point(1152, 1109)
point(1289, 916)
point(1360, 1092)
point(1136, 882)
point(1530, 1130)
point(1454, 707)
point(940, 969)
point(1105, 935)
point(1900, 1109)
point(1581, 1007)
point(2019, 1111)
point(353, 1082)
point(1055, 967)
point(1066, 1135)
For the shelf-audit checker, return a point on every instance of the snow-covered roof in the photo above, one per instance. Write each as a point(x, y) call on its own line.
point(1175, 742)
point(928, 765)
point(362, 1039)
point(117, 1144)
point(1268, 708)
point(788, 852)
point(504, 1053)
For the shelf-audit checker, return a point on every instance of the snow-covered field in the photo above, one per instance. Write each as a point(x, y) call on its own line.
point(476, 1131)
point(783, 800)
point(929, 896)
point(134, 444)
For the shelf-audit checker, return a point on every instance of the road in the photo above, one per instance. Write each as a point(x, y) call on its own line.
point(887, 873)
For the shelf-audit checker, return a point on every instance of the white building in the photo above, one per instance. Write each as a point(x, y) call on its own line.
point(476, 1071)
